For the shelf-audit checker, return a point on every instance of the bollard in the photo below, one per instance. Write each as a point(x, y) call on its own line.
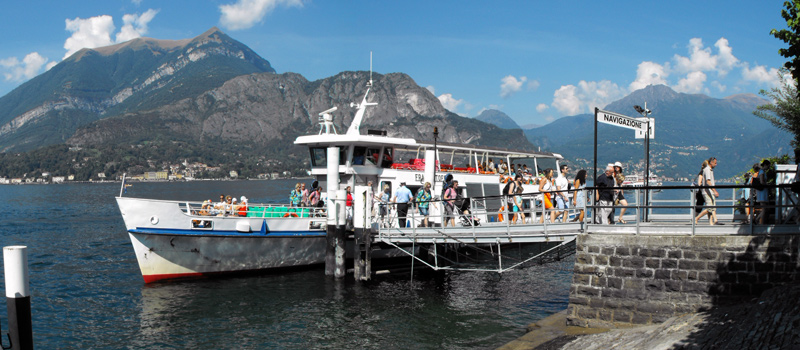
point(18, 299)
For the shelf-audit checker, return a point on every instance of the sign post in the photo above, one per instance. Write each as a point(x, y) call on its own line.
point(642, 127)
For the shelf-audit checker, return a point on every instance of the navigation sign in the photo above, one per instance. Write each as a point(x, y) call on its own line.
point(620, 120)
point(639, 133)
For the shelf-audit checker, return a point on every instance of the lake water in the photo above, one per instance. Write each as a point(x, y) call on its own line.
point(87, 292)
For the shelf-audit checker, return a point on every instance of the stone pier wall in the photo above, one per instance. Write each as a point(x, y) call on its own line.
point(624, 280)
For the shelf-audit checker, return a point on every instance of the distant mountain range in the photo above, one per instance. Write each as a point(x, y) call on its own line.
point(498, 118)
point(213, 90)
point(688, 129)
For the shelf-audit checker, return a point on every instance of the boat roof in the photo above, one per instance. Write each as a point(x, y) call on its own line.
point(412, 144)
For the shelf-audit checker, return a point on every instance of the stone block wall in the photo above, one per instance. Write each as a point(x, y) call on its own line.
point(625, 280)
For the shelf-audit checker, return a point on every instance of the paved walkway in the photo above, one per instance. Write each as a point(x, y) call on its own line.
point(769, 322)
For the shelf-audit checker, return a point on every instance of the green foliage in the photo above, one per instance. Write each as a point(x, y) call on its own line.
point(790, 36)
point(784, 111)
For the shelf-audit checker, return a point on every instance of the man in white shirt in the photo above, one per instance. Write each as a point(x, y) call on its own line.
point(562, 184)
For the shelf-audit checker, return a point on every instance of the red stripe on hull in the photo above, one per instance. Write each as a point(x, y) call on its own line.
point(170, 276)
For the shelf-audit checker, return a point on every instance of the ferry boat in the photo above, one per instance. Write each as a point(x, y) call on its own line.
point(173, 239)
point(636, 180)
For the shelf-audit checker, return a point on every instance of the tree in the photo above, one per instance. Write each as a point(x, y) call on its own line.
point(791, 36)
point(784, 111)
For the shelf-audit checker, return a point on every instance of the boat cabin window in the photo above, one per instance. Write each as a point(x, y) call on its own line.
point(365, 156)
point(388, 157)
point(319, 156)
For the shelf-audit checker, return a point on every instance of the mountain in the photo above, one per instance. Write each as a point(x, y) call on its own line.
point(498, 118)
point(147, 103)
point(688, 129)
point(267, 108)
point(530, 126)
point(136, 75)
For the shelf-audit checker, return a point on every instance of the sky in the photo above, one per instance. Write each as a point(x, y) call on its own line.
point(537, 61)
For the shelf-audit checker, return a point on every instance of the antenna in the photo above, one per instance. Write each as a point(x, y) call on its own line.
point(370, 68)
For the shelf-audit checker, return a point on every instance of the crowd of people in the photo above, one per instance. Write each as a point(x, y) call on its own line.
point(227, 206)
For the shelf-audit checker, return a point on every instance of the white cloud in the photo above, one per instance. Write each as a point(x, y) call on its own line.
point(246, 13)
point(566, 100)
point(431, 89)
point(700, 58)
point(649, 73)
point(449, 102)
point(134, 26)
point(542, 107)
point(511, 85)
point(88, 33)
point(726, 60)
point(533, 85)
point(29, 67)
point(572, 100)
point(692, 84)
point(96, 31)
point(761, 74)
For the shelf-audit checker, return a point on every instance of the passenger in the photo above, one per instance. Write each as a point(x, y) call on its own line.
point(518, 207)
point(402, 197)
point(383, 207)
point(579, 199)
point(220, 206)
point(233, 207)
point(699, 201)
point(509, 192)
point(450, 203)
point(205, 208)
point(226, 207)
point(243, 206)
point(303, 195)
point(619, 178)
point(501, 168)
point(747, 194)
point(349, 204)
point(562, 196)
point(605, 194)
point(545, 187)
point(491, 166)
point(762, 196)
point(313, 198)
point(295, 196)
point(423, 200)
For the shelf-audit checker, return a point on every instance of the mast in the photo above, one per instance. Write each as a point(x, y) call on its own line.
point(361, 107)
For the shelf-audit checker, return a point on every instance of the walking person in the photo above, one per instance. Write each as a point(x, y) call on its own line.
point(295, 196)
point(605, 194)
point(545, 186)
point(709, 194)
point(402, 197)
point(383, 207)
point(423, 200)
point(579, 199)
point(562, 201)
point(619, 199)
point(450, 203)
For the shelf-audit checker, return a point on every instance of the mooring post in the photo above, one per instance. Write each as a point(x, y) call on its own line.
point(340, 236)
point(18, 297)
point(361, 233)
point(333, 187)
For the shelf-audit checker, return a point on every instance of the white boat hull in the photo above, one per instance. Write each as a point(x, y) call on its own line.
point(169, 244)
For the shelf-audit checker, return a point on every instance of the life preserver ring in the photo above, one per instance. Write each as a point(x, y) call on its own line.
point(503, 179)
point(287, 215)
point(500, 214)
